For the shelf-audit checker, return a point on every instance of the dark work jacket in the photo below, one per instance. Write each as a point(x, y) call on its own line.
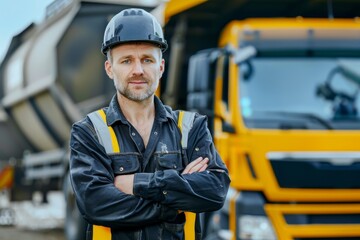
point(160, 190)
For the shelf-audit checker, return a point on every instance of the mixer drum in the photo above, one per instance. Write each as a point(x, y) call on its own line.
point(52, 75)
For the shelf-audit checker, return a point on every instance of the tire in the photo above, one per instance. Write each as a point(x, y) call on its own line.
point(75, 225)
point(214, 226)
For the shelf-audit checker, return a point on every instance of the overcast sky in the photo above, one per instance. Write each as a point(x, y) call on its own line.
point(15, 15)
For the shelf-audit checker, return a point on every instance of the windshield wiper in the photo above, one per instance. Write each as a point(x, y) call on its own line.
point(309, 116)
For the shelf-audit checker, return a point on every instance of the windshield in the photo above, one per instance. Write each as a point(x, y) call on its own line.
point(291, 93)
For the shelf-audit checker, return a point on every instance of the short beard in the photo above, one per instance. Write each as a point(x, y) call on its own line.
point(135, 97)
point(127, 93)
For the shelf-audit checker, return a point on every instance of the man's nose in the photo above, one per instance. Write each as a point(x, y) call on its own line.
point(137, 68)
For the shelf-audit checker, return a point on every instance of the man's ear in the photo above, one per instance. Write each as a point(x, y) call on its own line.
point(108, 69)
point(162, 67)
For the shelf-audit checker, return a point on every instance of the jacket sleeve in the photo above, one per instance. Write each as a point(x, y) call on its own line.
point(197, 192)
point(99, 201)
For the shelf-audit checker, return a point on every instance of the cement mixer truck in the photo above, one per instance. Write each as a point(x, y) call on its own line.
point(51, 76)
point(280, 94)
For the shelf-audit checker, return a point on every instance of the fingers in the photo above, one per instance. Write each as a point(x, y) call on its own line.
point(204, 167)
point(191, 165)
point(198, 165)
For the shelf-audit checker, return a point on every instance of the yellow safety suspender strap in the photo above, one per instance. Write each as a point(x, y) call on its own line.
point(189, 227)
point(101, 233)
point(108, 139)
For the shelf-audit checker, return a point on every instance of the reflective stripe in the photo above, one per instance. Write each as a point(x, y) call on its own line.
point(107, 138)
point(105, 133)
point(185, 123)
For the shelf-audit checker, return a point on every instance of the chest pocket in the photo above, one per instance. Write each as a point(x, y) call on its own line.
point(171, 160)
point(125, 163)
point(107, 138)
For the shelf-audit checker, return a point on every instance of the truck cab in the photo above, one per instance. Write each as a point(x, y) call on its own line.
point(293, 156)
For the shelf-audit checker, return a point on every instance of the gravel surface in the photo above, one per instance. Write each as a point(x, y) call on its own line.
point(12, 233)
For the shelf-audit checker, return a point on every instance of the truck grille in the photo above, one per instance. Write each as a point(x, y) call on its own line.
point(318, 170)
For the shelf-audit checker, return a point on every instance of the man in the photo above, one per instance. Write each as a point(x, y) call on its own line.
point(140, 181)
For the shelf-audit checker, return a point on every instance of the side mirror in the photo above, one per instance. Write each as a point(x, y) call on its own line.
point(242, 55)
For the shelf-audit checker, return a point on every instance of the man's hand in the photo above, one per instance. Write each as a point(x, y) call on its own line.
point(198, 165)
point(125, 183)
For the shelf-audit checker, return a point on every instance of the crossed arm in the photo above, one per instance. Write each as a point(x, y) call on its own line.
point(125, 183)
point(200, 187)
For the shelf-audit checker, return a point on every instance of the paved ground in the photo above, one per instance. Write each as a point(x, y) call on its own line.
point(32, 220)
point(12, 233)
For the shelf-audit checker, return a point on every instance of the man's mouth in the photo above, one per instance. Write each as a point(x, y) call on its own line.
point(137, 81)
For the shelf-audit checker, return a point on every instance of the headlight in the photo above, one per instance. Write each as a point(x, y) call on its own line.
point(255, 228)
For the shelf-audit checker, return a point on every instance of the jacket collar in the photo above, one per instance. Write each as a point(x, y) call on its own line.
point(114, 113)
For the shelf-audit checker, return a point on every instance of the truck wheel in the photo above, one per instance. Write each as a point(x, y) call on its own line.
point(75, 225)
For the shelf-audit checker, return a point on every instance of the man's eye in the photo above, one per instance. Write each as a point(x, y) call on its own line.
point(126, 61)
point(147, 60)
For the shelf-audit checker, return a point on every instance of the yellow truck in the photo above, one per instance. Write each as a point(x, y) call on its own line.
point(280, 94)
point(282, 99)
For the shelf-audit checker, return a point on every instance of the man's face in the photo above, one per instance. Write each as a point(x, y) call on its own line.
point(136, 69)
